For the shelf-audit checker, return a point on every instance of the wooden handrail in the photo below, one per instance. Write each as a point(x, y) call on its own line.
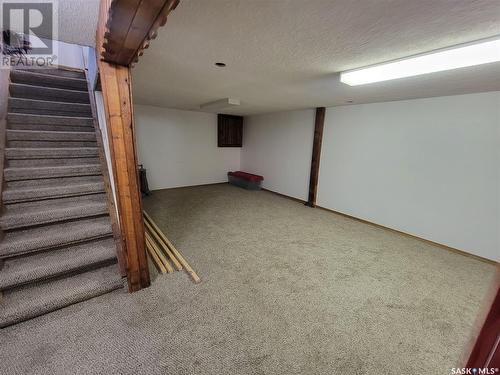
point(116, 86)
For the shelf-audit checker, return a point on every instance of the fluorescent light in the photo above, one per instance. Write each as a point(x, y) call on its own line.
point(451, 58)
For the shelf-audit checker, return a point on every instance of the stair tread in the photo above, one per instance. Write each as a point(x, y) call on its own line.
point(43, 265)
point(24, 91)
point(47, 102)
point(55, 167)
point(39, 73)
point(49, 135)
point(39, 152)
point(46, 131)
point(54, 235)
point(34, 300)
point(47, 80)
point(51, 162)
point(48, 119)
point(50, 144)
point(63, 72)
point(21, 215)
point(32, 173)
point(37, 192)
point(49, 107)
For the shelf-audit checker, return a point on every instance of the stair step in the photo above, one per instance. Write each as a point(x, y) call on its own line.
point(76, 73)
point(18, 90)
point(51, 182)
point(42, 107)
point(55, 128)
point(32, 193)
point(22, 215)
point(30, 163)
point(36, 135)
point(54, 263)
point(23, 118)
point(51, 153)
point(49, 144)
point(47, 80)
point(34, 300)
point(15, 174)
point(57, 235)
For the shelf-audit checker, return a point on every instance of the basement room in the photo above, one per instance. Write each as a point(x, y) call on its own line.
point(253, 187)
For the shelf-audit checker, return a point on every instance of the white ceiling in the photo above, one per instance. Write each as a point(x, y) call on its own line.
point(286, 54)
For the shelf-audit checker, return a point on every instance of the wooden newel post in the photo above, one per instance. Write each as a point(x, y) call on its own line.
point(316, 156)
point(117, 94)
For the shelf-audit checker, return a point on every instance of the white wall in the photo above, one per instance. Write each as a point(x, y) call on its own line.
point(67, 54)
point(428, 167)
point(179, 148)
point(279, 147)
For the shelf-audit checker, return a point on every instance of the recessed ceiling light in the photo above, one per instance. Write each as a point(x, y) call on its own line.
point(471, 54)
point(220, 64)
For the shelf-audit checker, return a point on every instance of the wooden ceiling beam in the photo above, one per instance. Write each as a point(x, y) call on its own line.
point(131, 26)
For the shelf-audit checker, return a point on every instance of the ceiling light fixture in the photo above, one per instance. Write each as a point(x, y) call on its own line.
point(220, 64)
point(471, 54)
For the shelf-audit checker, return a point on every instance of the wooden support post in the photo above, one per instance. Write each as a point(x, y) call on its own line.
point(117, 94)
point(316, 156)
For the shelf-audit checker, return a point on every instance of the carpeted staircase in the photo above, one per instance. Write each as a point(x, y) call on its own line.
point(57, 247)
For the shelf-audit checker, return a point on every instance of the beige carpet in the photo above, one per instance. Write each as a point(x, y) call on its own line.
point(285, 290)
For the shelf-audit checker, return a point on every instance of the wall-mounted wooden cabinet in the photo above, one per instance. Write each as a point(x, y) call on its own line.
point(229, 131)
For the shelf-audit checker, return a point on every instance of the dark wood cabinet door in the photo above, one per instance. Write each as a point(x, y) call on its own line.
point(230, 131)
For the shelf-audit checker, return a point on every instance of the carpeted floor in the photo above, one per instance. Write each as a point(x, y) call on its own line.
point(285, 290)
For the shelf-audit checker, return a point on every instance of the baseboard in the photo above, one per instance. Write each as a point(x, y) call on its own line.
point(440, 245)
point(285, 196)
point(190, 186)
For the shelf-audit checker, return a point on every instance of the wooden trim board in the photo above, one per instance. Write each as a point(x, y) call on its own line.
point(174, 260)
point(191, 186)
point(164, 260)
point(177, 254)
point(444, 247)
point(157, 261)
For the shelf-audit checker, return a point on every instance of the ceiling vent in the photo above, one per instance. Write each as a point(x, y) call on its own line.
point(221, 104)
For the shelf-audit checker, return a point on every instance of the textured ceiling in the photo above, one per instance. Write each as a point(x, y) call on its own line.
point(284, 54)
point(78, 21)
